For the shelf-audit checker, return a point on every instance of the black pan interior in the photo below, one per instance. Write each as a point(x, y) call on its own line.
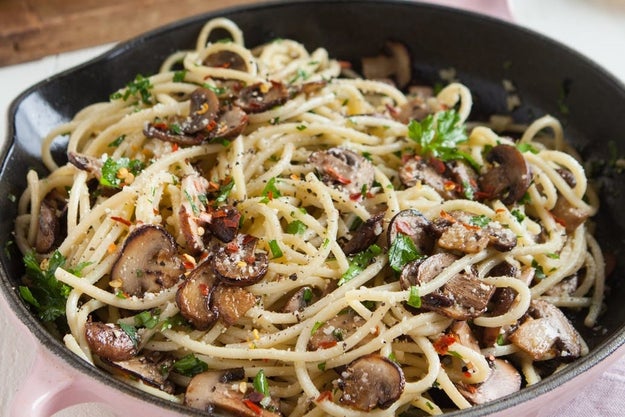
point(548, 77)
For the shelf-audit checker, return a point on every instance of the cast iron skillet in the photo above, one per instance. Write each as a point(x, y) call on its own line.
point(550, 79)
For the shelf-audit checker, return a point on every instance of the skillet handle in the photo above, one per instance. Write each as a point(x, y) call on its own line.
point(495, 8)
point(50, 387)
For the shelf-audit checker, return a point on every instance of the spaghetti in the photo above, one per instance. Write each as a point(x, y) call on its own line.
point(329, 227)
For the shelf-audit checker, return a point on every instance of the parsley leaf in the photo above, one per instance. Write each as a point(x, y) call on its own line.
point(402, 251)
point(270, 191)
point(131, 331)
point(359, 262)
point(140, 86)
point(44, 292)
point(261, 384)
point(414, 299)
point(296, 227)
point(111, 168)
point(482, 220)
point(190, 365)
point(439, 137)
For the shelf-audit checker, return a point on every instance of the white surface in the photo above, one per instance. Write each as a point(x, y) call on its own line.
point(594, 27)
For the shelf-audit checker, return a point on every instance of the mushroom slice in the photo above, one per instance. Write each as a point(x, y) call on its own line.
point(547, 333)
point(569, 215)
point(230, 123)
point(204, 107)
point(194, 296)
point(335, 330)
point(371, 381)
point(49, 224)
point(463, 174)
point(394, 63)
point(259, 97)
point(192, 225)
point(86, 163)
point(414, 224)
point(232, 303)
point(109, 341)
point(463, 297)
point(218, 391)
point(503, 380)
point(509, 178)
point(224, 224)
point(225, 59)
point(419, 171)
point(152, 368)
point(238, 264)
point(344, 169)
point(301, 299)
point(365, 235)
point(148, 261)
point(464, 238)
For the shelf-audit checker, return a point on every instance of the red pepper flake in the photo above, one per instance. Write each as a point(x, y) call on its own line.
point(467, 374)
point(213, 186)
point(327, 344)
point(161, 125)
point(219, 213)
point(447, 216)
point(560, 221)
point(438, 165)
point(470, 226)
point(121, 220)
point(338, 177)
point(232, 247)
point(204, 290)
point(174, 147)
point(355, 196)
point(324, 396)
point(441, 345)
point(403, 226)
point(230, 223)
point(254, 407)
point(449, 185)
point(211, 125)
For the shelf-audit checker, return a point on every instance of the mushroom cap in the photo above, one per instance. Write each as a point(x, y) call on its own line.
point(503, 380)
point(510, 179)
point(412, 223)
point(225, 59)
point(371, 381)
point(365, 235)
point(237, 263)
point(148, 261)
point(260, 97)
point(109, 341)
point(194, 296)
point(344, 169)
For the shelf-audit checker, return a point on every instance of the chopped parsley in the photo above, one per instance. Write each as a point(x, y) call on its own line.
point(539, 272)
point(179, 76)
point(44, 292)
point(518, 214)
point(111, 168)
point(118, 141)
point(359, 262)
point(439, 137)
point(270, 191)
point(402, 251)
point(140, 87)
point(526, 147)
point(481, 220)
point(274, 247)
point(261, 384)
point(190, 365)
point(148, 319)
point(414, 300)
point(296, 227)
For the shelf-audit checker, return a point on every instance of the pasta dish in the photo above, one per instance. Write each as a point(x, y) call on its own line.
point(265, 231)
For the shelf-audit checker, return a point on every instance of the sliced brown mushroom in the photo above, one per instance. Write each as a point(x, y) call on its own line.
point(230, 123)
point(192, 224)
point(218, 392)
point(301, 299)
point(463, 297)
point(335, 330)
point(461, 231)
point(109, 341)
point(224, 223)
point(566, 287)
point(49, 226)
point(86, 163)
point(194, 296)
point(151, 367)
point(232, 303)
point(465, 176)
point(394, 63)
point(148, 261)
point(547, 334)
point(428, 171)
point(237, 263)
point(225, 59)
point(344, 169)
point(503, 380)
point(364, 236)
point(568, 215)
point(260, 97)
point(371, 381)
point(509, 177)
point(412, 223)
point(464, 335)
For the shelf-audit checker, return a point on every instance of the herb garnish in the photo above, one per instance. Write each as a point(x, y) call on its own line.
point(359, 262)
point(190, 365)
point(402, 251)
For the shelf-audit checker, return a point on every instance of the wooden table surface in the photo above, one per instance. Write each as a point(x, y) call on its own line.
point(31, 29)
